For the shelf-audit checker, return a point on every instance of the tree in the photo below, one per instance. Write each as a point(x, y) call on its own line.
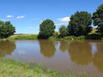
point(80, 23)
point(6, 29)
point(47, 29)
point(63, 31)
point(100, 28)
point(98, 18)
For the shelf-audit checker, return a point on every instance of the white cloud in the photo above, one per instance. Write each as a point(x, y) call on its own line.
point(64, 19)
point(58, 25)
point(17, 17)
point(9, 16)
point(20, 17)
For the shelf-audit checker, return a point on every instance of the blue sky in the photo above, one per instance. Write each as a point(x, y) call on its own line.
point(26, 15)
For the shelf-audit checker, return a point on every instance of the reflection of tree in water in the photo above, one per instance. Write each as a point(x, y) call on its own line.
point(6, 48)
point(64, 45)
point(98, 57)
point(47, 48)
point(80, 52)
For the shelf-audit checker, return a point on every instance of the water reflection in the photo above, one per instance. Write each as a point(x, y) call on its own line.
point(64, 45)
point(80, 52)
point(98, 57)
point(47, 48)
point(6, 48)
point(85, 55)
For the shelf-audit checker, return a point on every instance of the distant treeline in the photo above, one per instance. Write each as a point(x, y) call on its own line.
point(80, 24)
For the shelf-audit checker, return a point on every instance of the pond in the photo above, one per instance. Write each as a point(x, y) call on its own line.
point(64, 56)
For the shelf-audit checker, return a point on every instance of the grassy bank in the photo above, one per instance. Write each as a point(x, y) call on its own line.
point(94, 36)
point(10, 68)
point(68, 38)
point(35, 37)
point(23, 37)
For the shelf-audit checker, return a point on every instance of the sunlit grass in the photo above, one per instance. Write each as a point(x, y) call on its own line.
point(10, 68)
point(23, 37)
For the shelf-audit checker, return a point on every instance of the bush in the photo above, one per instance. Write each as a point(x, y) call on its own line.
point(63, 31)
point(80, 23)
point(93, 37)
point(73, 38)
point(6, 29)
point(46, 29)
point(98, 19)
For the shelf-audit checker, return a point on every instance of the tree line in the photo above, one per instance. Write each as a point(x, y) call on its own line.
point(80, 24)
point(6, 29)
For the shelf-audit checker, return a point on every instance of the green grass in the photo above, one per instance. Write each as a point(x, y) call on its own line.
point(10, 68)
point(35, 37)
point(73, 38)
point(23, 37)
point(68, 38)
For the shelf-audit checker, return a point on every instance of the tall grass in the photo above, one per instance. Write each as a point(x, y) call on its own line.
point(10, 68)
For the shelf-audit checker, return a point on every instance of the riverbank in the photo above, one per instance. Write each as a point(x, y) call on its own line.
point(68, 38)
point(12, 68)
point(35, 37)
point(23, 37)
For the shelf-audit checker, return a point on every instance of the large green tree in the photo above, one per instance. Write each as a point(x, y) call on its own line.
point(63, 31)
point(98, 18)
point(6, 29)
point(80, 23)
point(47, 29)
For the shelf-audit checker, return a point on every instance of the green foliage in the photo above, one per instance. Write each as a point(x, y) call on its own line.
point(52, 38)
point(80, 23)
point(100, 28)
point(73, 38)
point(93, 37)
point(98, 18)
point(6, 29)
point(56, 34)
point(63, 31)
point(46, 29)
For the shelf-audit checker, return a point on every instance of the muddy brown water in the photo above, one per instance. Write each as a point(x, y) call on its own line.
point(64, 56)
